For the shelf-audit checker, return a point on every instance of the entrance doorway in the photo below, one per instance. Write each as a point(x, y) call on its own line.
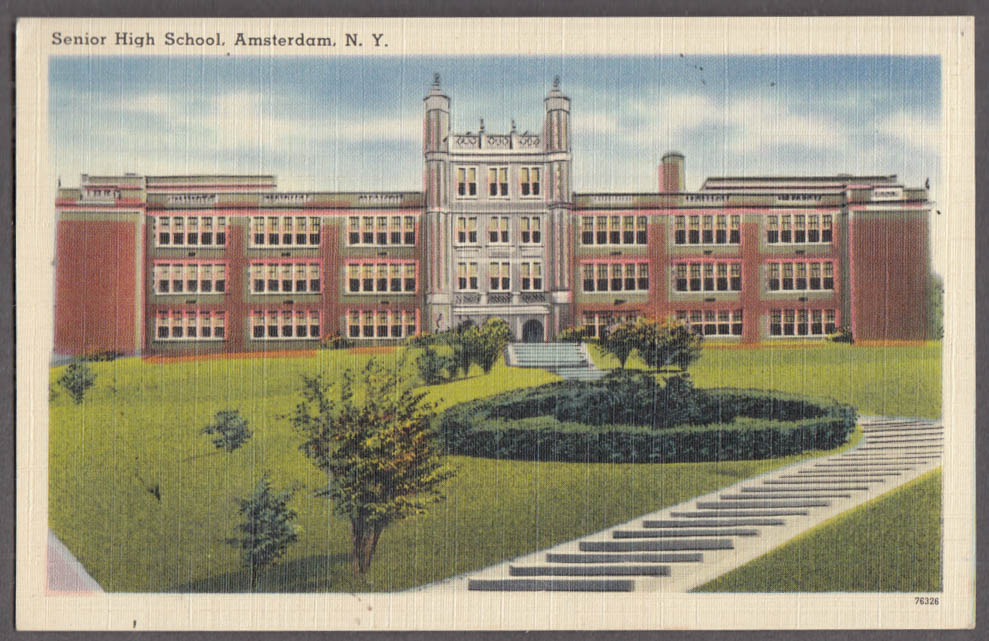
point(532, 332)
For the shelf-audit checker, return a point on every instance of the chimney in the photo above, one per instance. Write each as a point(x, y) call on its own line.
point(671, 178)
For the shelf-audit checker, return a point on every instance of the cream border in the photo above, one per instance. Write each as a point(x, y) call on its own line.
point(949, 37)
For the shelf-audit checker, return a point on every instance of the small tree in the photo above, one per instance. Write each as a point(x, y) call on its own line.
point(619, 341)
point(230, 429)
point(377, 448)
point(492, 338)
point(267, 529)
point(432, 366)
point(666, 343)
point(77, 379)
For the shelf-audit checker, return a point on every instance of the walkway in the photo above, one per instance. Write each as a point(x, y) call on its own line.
point(682, 547)
point(65, 573)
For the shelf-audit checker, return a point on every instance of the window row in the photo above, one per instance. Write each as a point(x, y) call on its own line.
point(285, 324)
point(499, 230)
point(599, 322)
point(616, 277)
point(712, 322)
point(381, 324)
point(802, 322)
point(189, 278)
point(190, 231)
point(381, 230)
point(285, 278)
point(713, 229)
point(613, 230)
point(529, 182)
point(396, 278)
point(190, 326)
point(799, 228)
point(707, 277)
point(800, 276)
point(285, 230)
point(500, 276)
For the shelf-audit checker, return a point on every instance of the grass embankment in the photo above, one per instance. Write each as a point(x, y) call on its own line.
point(890, 544)
point(878, 380)
point(139, 428)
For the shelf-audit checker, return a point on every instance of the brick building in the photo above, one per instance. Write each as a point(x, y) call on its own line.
point(156, 264)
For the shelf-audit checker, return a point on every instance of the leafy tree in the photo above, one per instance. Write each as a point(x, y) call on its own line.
point(230, 429)
point(267, 530)
point(377, 447)
point(666, 343)
point(491, 340)
point(432, 366)
point(619, 341)
point(77, 379)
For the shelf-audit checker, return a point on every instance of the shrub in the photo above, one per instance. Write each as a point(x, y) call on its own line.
point(576, 334)
point(666, 343)
point(549, 426)
point(843, 335)
point(230, 429)
point(267, 529)
point(97, 356)
point(77, 379)
point(433, 368)
point(335, 341)
point(619, 341)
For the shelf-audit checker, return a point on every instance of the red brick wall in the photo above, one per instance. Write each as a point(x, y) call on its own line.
point(96, 287)
point(890, 264)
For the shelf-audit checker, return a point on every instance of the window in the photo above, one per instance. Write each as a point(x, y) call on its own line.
point(531, 229)
point(532, 276)
point(721, 229)
point(695, 230)
point(813, 229)
point(292, 231)
point(707, 233)
point(789, 322)
point(372, 230)
point(786, 236)
point(498, 182)
point(285, 324)
point(802, 322)
point(529, 181)
point(616, 277)
point(391, 277)
point(190, 231)
point(467, 182)
point(288, 278)
point(735, 235)
point(628, 230)
point(587, 230)
point(599, 322)
point(640, 230)
point(467, 276)
point(826, 225)
point(772, 230)
point(381, 324)
point(800, 276)
point(467, 230)
point(499, 275)
point(712, 276)
point(680, 233)
point(710, 322)
point(189, 278)
point(190, 325)
point(613, 230)
point(829, 321)
point(799, 228)
point(498, 229)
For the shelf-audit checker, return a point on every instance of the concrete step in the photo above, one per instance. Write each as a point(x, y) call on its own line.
point(734, 505)
point(666, 534)
point(795, 479)
point(719, 514)
point(776, 497)
point(642, 557)
point(656, 546)
point(551, 585)
point(589, 570)
point(805, 488)
point(844, 473)
point(728, 523)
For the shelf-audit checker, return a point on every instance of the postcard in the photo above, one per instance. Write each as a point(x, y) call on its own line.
point(507, 324)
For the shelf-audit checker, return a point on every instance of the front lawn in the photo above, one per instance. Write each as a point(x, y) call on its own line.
point(145, 501)
point(890, 544)
point(883, 381)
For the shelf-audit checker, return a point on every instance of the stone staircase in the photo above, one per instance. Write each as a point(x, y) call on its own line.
point(569, 360)
point(682, 547)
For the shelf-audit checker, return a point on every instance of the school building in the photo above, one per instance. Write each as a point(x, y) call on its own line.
point(159, 264)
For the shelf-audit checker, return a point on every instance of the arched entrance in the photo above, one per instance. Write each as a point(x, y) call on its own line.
point(532, 332)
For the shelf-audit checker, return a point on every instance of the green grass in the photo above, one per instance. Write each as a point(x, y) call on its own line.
point(139, 427)
point(890, 544)
point(885, 381)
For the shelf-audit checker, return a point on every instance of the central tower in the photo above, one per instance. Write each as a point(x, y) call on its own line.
point(497, 222)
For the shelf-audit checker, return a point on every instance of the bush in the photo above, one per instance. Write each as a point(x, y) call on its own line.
point(100, 356)
point(77, 379)
point(576, 334)
point(335, 341)
point(230, 429)
point(433, 368)
point(843, 335)
point(550, 423)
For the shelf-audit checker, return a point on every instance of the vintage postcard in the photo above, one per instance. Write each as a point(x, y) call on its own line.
point(495, 324)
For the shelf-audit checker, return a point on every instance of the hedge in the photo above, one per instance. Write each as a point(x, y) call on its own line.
point(750, 424)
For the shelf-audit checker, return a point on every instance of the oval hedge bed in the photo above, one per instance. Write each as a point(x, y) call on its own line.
point(629, 417)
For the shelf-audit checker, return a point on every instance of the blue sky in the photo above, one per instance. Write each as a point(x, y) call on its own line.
point(355, 124)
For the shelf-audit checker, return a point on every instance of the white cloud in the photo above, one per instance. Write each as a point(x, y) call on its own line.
point(922, 133)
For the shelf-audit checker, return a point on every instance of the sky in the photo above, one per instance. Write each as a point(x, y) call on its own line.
point(356, 123)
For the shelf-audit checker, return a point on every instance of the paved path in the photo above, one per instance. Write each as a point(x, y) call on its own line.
point(65, 573)
point(682, 547)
